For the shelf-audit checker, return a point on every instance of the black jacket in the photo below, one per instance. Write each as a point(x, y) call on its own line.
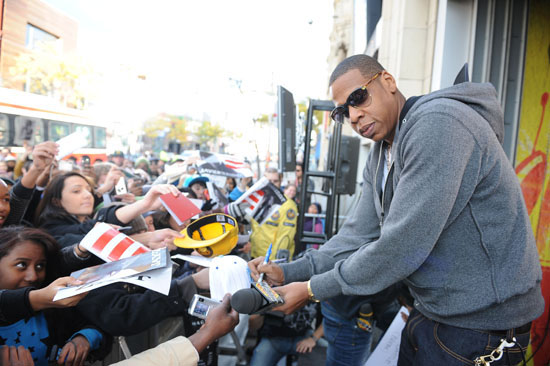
point(67, 230)
point(124, 309)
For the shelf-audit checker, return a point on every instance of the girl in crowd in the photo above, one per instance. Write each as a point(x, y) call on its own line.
point(68, 203)
point(313, 224)
point(28, 258)
point(197, 187)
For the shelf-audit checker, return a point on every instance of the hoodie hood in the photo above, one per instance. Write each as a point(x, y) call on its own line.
point(481, 97)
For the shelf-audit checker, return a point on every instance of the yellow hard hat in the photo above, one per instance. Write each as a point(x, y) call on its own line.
point(211, 235)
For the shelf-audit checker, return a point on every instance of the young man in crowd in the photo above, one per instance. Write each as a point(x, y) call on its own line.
point(441, 209)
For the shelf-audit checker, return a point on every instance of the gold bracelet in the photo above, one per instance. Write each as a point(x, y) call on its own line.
point(310, 295)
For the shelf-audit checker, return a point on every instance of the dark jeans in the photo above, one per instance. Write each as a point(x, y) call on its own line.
point(427, 342)
point(348, 345)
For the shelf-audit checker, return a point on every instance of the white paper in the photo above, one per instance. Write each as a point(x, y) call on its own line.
point(228, 274)
point(196, 259)
point(157, 280)
point(387, 351)
point(71, 143)
point(151, 270)
point(120, 187)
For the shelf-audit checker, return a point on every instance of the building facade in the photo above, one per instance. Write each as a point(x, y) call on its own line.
point(25, 24)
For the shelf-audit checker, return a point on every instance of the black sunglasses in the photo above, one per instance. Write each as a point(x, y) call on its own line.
point(355, 99)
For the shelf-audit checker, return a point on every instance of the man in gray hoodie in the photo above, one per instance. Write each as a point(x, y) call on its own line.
point(441, 209)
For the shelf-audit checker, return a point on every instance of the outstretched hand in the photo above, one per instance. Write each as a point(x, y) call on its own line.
point(151, 200)
point(43, 154)
point(43, 298)
point(220, 321)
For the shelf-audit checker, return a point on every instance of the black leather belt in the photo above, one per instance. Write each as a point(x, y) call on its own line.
point(519, 330)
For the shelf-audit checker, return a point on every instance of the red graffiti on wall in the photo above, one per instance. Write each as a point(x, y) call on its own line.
point(535, 167)
point(533, 182)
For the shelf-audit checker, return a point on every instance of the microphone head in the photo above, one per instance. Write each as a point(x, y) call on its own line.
point(247, 301)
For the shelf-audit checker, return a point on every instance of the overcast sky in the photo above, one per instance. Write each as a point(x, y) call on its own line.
point(196, 54)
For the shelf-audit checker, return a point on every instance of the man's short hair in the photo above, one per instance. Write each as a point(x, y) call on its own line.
point(366, 65)
point(272, 170)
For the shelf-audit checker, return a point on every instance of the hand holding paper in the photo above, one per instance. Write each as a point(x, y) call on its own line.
point(180, 208)
point(152, 270)
point(43, 154)
point(151, 200)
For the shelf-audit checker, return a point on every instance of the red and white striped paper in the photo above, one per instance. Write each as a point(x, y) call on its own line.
point(110, 244)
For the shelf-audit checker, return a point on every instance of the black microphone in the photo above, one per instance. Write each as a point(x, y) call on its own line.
point(257, 299)
point(247, 301)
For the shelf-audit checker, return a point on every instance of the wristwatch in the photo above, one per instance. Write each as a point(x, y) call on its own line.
point(310, 295)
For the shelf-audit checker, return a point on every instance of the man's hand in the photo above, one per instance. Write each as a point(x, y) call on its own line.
point(306, 345)
point(74, 352)
point(220, 321)
point(43, 298)
point(111, 180)
point(295, 296)
point(158, 239)
point(274, 274)
point(151, 201)
point(135, 186)
point(245, 248)
point(11, 356)
point(43, 154)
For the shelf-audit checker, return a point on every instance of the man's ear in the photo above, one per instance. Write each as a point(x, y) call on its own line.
point(388, 81)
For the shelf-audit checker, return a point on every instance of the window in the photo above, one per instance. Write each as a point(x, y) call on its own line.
point(4, 129)
point(36, 36)
point(100, 138)
point(500, 38)
point(86, 131)
point(28, 129)
point(58, 130)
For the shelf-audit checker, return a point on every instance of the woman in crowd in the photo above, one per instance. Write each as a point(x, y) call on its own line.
point(230, 184)
point(68, 204)
point(28, 259)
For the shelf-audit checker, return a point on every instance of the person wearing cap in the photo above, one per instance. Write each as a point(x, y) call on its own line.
point(117, 158)
point(197, 186)
point(279, 229)
point(198, 190)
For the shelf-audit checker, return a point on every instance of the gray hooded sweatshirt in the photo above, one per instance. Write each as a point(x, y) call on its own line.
point(456, 231)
